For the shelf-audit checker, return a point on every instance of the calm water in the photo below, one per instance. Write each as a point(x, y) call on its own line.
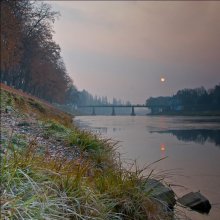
point(191, 146)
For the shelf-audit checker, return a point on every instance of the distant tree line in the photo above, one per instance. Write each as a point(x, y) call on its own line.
point(198, 99)
point(82, 98)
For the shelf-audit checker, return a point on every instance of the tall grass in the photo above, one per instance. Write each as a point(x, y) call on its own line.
point(39, 186)
point(93, 185)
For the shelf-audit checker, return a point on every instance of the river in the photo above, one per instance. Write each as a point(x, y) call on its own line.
point(190, 147)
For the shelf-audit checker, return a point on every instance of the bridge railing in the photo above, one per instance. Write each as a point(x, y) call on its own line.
point(93, 107)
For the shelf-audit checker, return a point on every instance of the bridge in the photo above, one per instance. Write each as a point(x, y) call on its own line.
point(93, 107)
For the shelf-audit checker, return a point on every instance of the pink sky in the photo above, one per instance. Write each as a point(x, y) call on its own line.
point(121, 49)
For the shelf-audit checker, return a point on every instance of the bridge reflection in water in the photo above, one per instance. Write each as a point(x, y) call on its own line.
point(113, 107)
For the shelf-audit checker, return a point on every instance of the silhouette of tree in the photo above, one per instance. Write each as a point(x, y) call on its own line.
point(198, 99)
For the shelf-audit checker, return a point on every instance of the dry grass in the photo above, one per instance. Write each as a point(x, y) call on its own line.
point(95, 186)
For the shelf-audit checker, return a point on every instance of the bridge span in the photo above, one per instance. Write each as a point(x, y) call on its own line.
point(93, 107)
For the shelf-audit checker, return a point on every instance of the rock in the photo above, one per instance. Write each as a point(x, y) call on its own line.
point(162, 193)
point(8, 109)
point(23, 124)
point(196, 201)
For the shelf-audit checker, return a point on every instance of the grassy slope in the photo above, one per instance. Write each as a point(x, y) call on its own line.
point(35, 185)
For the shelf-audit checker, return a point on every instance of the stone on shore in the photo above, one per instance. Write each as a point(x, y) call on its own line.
point(196, 201)
point(160, 192)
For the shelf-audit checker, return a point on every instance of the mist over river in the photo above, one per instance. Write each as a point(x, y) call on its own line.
point(190, 146)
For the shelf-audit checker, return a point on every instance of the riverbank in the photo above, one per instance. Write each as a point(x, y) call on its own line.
point(52, 170)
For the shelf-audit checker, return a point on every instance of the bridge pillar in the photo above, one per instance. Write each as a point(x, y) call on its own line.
point(93, 111)
point(132, 111)
point(113, 110)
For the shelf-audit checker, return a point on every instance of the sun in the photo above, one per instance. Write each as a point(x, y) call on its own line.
point(162, 79)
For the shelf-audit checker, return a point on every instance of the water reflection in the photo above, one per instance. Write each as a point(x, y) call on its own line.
point(195, 167)
point(195, 135)
point(162, 147)
point(163, 150)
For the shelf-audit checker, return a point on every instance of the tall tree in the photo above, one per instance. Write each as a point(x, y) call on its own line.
point(30, 59)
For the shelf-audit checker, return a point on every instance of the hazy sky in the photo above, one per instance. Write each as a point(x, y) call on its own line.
point(122, 48)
